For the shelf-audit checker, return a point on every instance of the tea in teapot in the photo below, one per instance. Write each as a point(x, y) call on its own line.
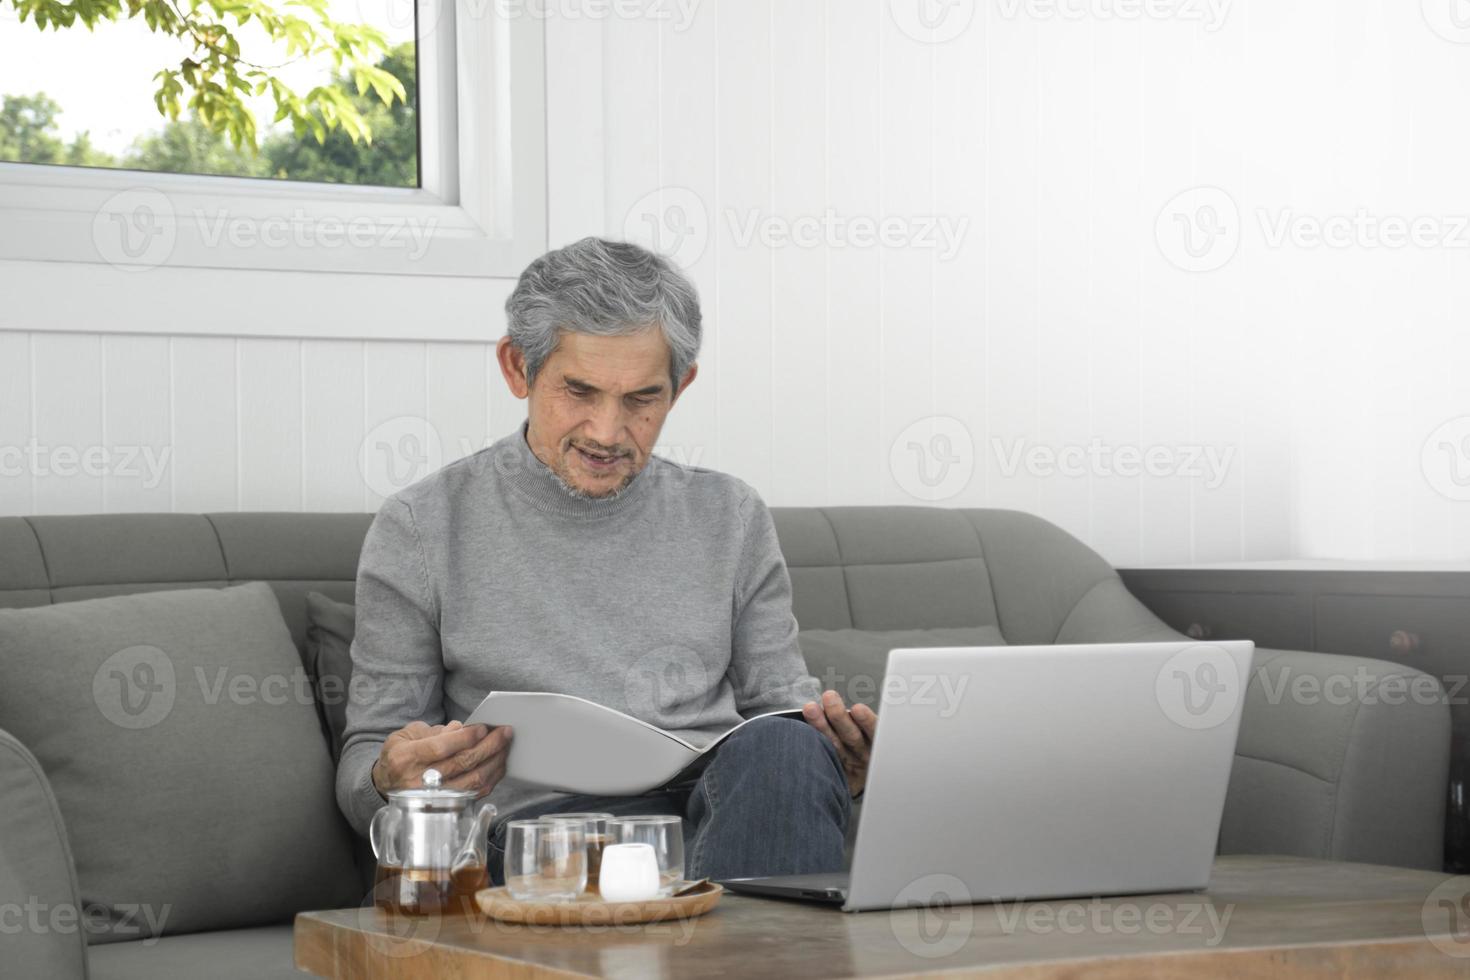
point(431, 845)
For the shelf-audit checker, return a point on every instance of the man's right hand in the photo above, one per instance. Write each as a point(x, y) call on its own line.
point(467, 756)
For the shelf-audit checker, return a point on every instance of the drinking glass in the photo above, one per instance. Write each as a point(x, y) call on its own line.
point(594, 826)
point(665, 833)
point(545, 860)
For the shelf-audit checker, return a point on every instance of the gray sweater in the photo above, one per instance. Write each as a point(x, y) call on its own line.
point(670, 602)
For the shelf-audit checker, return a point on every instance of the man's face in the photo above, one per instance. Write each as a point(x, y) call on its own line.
point(597, 405)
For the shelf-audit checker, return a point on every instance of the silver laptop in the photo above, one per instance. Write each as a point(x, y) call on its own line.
point(1003, 773)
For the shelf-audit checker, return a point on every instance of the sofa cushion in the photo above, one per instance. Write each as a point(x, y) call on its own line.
point(853, 662)
point(127, 549)
point(329, 631)
point(265, 953)
point(181, 741)
point(23, 580)
point(39, 914)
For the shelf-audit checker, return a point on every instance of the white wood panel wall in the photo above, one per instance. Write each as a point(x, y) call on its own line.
point(1053, 143)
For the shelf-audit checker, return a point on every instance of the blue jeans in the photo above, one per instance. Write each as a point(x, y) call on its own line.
point(772, 801)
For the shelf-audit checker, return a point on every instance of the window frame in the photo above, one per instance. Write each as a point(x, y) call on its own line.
point(480, 211)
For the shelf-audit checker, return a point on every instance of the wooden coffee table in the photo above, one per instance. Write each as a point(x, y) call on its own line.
point(1260, 917)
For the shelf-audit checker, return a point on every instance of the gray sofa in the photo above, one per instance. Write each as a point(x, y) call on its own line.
point(1360, 779)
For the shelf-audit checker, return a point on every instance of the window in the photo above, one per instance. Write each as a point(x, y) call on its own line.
point(54, 112)
point(446, 177)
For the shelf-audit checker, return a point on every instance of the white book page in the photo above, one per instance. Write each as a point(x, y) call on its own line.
point(566, 743)
point(573, 745)
point(779, 712)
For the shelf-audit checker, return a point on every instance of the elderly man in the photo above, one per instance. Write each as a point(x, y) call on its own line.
point(566, 557)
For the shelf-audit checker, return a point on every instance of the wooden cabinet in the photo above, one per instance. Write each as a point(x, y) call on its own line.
point(1418, 617)
point(1430, 632)
point(1272, 619)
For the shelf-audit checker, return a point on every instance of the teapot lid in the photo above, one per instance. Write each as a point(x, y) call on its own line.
point(433, 795)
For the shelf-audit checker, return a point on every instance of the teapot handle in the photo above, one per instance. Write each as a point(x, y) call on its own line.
point(381, 834)
point(474, 850)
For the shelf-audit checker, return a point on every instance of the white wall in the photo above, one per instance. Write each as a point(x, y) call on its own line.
point(1062, 316)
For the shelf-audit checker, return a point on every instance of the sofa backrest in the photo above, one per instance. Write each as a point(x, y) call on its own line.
point(65, 558)
point(925, 567)
point(870, 568)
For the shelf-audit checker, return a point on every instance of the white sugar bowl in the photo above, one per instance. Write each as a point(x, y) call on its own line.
point(629, 873)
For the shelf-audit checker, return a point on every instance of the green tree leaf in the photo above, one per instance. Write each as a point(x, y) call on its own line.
point(310, 151)
point(218, 74)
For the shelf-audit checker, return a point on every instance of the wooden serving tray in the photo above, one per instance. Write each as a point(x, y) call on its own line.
point(589, 910)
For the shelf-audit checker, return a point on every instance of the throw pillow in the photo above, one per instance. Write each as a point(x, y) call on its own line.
point(178, 732)
point(330, 626)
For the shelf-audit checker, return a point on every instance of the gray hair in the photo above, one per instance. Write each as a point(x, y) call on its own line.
point(605, 288)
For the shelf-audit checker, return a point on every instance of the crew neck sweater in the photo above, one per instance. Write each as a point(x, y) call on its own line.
point(669, 601)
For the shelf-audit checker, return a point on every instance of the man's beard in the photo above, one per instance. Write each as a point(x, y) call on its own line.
point(579, 494)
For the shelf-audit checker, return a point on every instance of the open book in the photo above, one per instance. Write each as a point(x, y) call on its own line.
point(574, 745)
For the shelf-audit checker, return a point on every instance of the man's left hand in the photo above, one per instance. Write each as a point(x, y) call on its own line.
point(850, 732)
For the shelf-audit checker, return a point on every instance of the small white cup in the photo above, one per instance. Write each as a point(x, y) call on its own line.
point(629, 873)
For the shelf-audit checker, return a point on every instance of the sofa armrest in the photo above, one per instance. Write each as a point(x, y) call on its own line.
point(1341, 758)
point(44, 935)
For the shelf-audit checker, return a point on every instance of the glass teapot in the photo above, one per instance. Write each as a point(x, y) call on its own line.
point(431, 848)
